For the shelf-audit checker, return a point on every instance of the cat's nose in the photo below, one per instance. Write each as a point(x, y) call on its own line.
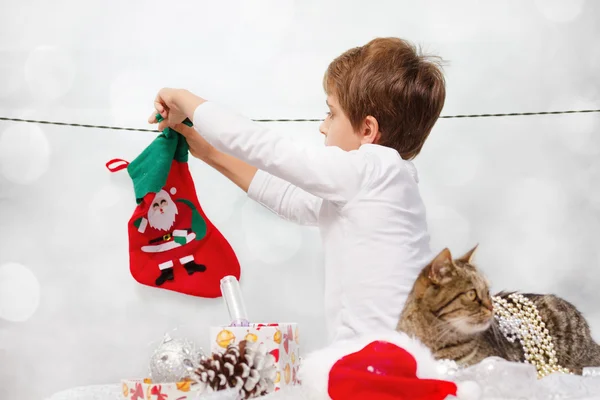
point(488, 304)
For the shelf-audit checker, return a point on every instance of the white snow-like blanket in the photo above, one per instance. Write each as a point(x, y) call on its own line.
point(504, 383)
point(492, 379)
point(499, 380)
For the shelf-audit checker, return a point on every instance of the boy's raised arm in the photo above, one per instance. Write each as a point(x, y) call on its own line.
point(282, 198)
point(326, 172)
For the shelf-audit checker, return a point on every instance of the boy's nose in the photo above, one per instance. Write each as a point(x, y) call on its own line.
point(322, 128)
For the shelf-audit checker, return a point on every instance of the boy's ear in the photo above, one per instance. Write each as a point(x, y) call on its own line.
point(370, 130)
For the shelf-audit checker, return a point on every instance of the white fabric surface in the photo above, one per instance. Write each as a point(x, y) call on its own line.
point(366, 203)
point(113, 392)
point(499, 380)
point(552, 388)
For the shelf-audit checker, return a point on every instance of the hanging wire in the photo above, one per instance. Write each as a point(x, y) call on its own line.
point(120, 128)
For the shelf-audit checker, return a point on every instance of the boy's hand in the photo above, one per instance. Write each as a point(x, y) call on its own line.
point(174, 105)
point(199, 147)
point(165, 104)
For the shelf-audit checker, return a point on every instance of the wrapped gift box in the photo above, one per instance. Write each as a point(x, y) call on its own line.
point(280, 339)
point(137, 389)
point(145, 390)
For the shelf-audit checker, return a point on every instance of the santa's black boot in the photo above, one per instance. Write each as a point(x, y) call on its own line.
point(165, 275)
point(192, 267)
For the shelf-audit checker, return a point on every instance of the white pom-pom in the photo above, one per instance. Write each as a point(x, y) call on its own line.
point(173, 191)
point(468, 390)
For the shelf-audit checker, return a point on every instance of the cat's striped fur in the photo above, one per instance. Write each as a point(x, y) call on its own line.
point(450, 311)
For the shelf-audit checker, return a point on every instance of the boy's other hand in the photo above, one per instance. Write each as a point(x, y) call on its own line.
point(165, 104)
point(199, 147)
point(172, 105)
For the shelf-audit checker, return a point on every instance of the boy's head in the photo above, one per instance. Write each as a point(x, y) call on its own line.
point(384, 92)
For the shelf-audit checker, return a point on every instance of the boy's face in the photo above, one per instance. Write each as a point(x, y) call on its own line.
point(337, 128)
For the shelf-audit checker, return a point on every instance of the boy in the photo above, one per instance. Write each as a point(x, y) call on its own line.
point(360, 189)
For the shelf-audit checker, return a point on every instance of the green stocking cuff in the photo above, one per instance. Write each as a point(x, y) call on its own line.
point(149, 171)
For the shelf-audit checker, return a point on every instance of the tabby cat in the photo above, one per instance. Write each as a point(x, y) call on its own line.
point(450, 310)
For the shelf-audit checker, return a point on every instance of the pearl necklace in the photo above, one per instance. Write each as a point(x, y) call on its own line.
point(520, 320)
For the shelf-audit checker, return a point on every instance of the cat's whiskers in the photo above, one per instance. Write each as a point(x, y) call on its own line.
point(447, 329)
point(442, 333)
point(466, 326)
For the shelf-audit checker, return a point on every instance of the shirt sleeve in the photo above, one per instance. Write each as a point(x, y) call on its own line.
point(284, 199)
point(327, 172)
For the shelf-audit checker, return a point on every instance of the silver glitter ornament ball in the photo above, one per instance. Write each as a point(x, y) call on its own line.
point(173, 361)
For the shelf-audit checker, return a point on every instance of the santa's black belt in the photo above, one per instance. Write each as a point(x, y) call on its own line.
point(168, 236)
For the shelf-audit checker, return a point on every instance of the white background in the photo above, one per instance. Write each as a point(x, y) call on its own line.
point(525, 188)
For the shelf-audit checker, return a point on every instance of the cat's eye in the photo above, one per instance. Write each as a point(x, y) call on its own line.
point(471, 295)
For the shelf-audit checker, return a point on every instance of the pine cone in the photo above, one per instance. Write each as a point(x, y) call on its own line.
point(245, 367)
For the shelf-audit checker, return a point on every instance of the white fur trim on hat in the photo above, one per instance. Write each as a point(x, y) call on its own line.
point(468, 390)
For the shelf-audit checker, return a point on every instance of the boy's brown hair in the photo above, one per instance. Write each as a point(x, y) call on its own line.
point(390, 80)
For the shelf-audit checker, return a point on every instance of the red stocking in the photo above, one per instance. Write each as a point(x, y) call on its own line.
point(172, 244)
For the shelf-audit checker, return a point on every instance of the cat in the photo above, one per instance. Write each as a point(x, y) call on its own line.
point(450, 310)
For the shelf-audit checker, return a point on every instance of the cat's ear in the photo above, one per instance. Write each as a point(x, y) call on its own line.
point(467, 258)
point(441, 269)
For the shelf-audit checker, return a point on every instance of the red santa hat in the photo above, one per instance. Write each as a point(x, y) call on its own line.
point(392, 366)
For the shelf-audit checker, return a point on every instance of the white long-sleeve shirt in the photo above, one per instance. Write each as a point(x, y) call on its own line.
point(366, 203)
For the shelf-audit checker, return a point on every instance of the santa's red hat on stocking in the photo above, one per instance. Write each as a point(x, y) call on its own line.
point(392, 366)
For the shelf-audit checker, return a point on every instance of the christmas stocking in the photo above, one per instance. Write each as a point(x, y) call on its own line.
point(172, 244)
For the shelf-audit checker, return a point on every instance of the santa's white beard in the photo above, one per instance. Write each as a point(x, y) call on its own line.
point(165, 220)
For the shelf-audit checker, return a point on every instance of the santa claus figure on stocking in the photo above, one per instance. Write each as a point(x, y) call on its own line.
point(172, 232)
